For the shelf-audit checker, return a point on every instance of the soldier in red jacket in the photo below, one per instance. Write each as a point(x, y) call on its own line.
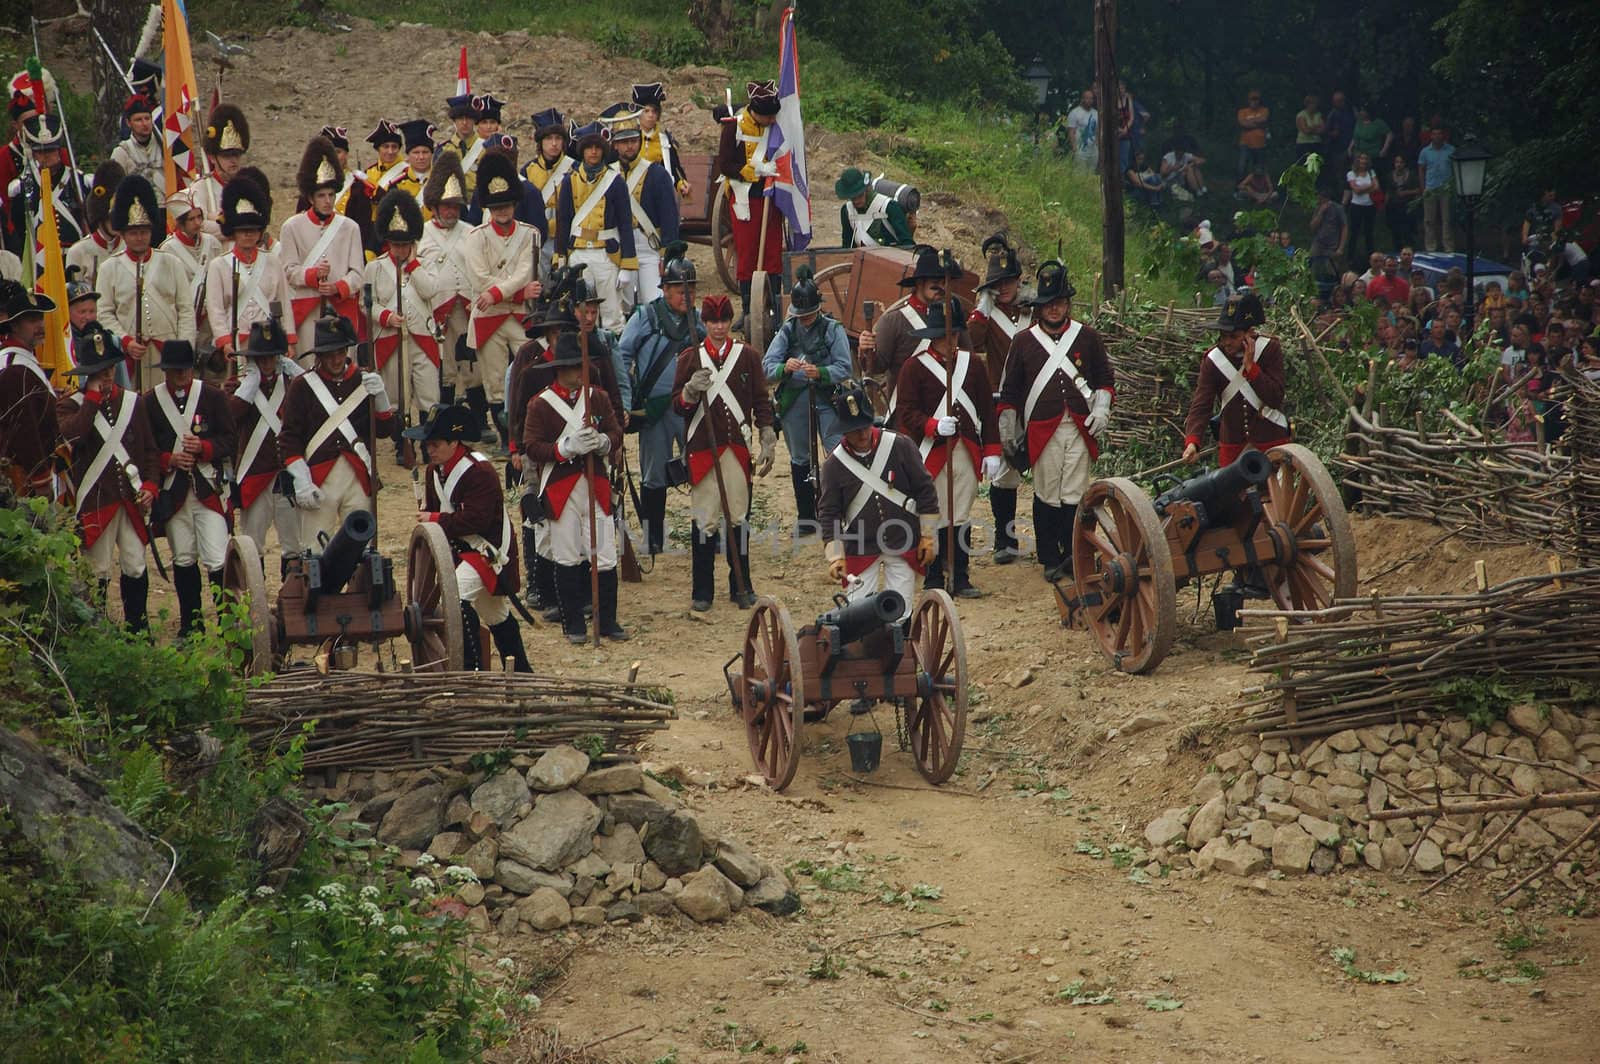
point(1243, 375)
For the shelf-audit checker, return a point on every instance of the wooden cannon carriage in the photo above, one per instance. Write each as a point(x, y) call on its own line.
point(857, 652)
point(346, 595)
point(1274, 520)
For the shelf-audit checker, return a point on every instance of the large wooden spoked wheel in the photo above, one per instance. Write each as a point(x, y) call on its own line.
point(722, 248)
point(937, 717)
point(834, 284)
point(243, 578)
point(1123, 570)
point(434, 625)
point(758, 327)
point(772, 693)
point(1311, 530)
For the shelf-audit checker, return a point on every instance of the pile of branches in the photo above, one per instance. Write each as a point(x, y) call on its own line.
point(1155, 352)
point(402, 720)
point(1385, 660)
point(1583, 443)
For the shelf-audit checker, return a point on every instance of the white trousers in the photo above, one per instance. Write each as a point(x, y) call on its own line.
point(966, 478)
point(271, 510)
point(569, 535)
point(890, 572)
point(459, 375)
point(198, 534)
point(1064, 469)
point(341, 496)
point(601, 272)
point(120, 534)
point(491, 609)
point(705, 504)
point(647, 281)
point(494, 355)
point(423, 382)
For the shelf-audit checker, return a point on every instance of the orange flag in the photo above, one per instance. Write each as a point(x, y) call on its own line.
point(185, 157)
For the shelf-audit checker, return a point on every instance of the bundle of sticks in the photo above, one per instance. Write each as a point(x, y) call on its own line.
point(1385, 660)
point(398, 720)
point(1156, 352)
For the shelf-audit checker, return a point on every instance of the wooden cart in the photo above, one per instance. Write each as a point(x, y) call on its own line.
point(859, 653)
point(1274, 520)
point(705, 218)
point(346, 596)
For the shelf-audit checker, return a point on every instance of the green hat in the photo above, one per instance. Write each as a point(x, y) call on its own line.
point(851, 184)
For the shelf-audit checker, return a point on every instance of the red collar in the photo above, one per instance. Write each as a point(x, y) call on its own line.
point(349, 369)
point(318, 220)
point(716, 355)
point(98, 238)
point(917, 305)
point(186, 241)
point(239, 253)
point(877, 434)
point(556, 387)
point(460, 453)
point(507, 231)
point(135, 258)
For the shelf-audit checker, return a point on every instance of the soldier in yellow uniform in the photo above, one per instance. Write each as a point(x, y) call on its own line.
point(463, 137)
point(391, 166)
point(594, 224)
point(658, 147)
point(550, 164)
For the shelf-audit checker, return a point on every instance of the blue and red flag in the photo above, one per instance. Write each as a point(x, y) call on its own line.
point(786, 144)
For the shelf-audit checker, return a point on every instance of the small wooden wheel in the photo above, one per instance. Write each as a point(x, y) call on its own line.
point(772, 693)
point(758, 327)
point(722, 248)
point(1316, 550)
point(1123, 571)
point(833, 282)
point(242, 577)
point(937, 717)
point(433, 602)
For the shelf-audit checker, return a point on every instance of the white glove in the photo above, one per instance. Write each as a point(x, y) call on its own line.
point(991, 468)
point(601, 444)
point(769, 450)
point(698, 384)
point(948, 425)
point(625, 278)
point(587, 440)
point(307, 496)
point(569, 446)
point(1099, 413)
point(373, 384)
point(766, 168)
point(249, 384)
point(1010, 431)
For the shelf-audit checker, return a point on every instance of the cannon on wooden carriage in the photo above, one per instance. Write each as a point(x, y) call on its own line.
point(344, 594)
point(1274, 520)
point(858, 652)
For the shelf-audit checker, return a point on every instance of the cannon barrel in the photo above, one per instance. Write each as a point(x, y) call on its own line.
point(1217, 492)
point(343, 552)
point(857, 620)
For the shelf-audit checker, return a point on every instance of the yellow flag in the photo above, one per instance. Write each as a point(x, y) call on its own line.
point(181, 164)
point(54, 352)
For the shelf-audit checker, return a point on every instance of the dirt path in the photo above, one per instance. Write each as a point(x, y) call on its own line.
point(1031, 903)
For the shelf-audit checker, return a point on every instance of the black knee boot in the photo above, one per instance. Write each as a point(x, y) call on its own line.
point(805, 500)
point(606, 608)
point(744, 307)
point(1047, 535)
point(1069, 520)
point(135, 597)
point(933, 579)
point(653, 515)
point(738, 550)
point(1003, 504)
point(471, 639)
point(508, 641)
point(447, 394)
point(570, 590)
point(544, 576)
point(478, 403)
point(961, 585)
point(702, 568)
point(186, 583)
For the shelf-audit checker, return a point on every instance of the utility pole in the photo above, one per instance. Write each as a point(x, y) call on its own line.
point(1105, 69)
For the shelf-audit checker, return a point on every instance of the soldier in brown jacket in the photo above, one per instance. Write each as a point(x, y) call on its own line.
point(564, 426)
point(891, 343)
point(194, 437)
point(28, 430)
point(1245, 372)
point(115, 469)
point(878, 506)
point(257, 408)
point(464, 500)
point(1055, 399)
point(946, 406)
point(997, 320)
point(721, 393)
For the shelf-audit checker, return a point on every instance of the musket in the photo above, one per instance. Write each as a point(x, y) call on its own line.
point(589, 472)
point(131, 475)
point(79, 216)
point(950, 453)
point(741, 580)
point(408, 450)
point(138, 312)
point(233, 337)
point(372, 414)
point(869, 311)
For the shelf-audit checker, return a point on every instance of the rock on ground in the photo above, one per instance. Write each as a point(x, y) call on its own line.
point(708, 896)
point(558, 768)
point(558, 831)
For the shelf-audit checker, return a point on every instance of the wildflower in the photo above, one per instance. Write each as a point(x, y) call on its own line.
point(425, 860)
point(370, 891)
point(398, 930)
point(375, 920)
point(531, 1002)
point(423, 884)
point(368, 982)
point(316, 905)
point(265, 891)
point(370, 908)
point(331, 890)
point(461, 874)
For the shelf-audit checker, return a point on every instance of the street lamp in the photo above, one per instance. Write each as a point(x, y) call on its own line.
point(1471, 164)
point(1038, 76)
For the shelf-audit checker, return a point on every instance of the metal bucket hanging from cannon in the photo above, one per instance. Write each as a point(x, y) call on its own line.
point(1274, 520)
point(855, 652)
point(345, 594)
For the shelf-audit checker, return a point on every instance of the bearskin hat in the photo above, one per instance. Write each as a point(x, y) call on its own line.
point(498, 183)
point(135, 204)
point(399, 217)
point(104, 189)
point(319, 167)
point(258, 177)
point(446, 182)
point(245, 205)
point(226, 130)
